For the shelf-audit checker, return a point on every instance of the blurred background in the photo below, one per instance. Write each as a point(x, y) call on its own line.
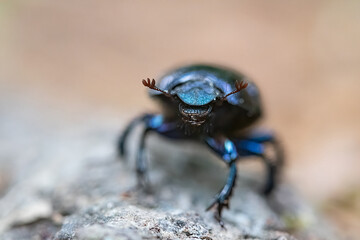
point(66, 62)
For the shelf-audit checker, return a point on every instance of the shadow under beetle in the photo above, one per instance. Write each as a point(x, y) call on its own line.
point(215, 106)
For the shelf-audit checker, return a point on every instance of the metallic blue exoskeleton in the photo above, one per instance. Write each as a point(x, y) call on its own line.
point(215, 106)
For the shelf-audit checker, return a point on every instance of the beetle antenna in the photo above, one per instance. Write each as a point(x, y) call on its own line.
point(151, 84)
point(239, 85)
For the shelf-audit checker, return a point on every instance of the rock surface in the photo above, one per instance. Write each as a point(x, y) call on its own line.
point(69, 184)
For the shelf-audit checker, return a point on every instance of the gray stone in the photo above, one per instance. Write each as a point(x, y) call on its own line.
point(75, 187)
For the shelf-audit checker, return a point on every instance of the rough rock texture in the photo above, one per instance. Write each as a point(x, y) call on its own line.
point(69, 184)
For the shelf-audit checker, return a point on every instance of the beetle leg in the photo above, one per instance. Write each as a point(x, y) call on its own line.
point(272, 170)
point(227, 150)
point(121, 146)
point(256, 146)
point(152, 123)
point(141, 163)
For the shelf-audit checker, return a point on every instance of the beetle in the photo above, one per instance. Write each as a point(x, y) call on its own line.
point(213, 105)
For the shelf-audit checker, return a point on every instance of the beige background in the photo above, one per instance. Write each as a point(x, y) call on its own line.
point(304, 55)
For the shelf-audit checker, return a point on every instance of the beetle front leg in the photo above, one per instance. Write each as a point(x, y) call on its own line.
point(222, 198)
point(227, 150)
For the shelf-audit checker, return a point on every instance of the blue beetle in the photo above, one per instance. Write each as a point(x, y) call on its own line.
point(215, 106)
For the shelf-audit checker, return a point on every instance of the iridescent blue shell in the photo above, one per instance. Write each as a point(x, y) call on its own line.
point(200, 84)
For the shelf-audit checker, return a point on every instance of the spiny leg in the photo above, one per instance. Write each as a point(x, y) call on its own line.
point(222, 198)
point(153, 123)
point(121, 145)
point(227, 150)
point(150, 121)
point(141, 163)
point(272, 172)
point(255, 145)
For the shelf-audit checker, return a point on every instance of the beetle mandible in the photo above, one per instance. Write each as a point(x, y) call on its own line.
point(212, 105)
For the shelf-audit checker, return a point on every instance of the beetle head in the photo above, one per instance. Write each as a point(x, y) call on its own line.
point(196, 98)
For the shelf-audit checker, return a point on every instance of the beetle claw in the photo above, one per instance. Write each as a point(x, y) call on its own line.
point(219, 219)
point(219, 203)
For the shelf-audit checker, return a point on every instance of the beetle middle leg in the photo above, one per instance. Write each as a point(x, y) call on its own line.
point(254, 145)
point(227, 150)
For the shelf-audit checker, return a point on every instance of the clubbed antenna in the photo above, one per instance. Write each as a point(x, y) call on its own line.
point(151, 84)
point(239, 85)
